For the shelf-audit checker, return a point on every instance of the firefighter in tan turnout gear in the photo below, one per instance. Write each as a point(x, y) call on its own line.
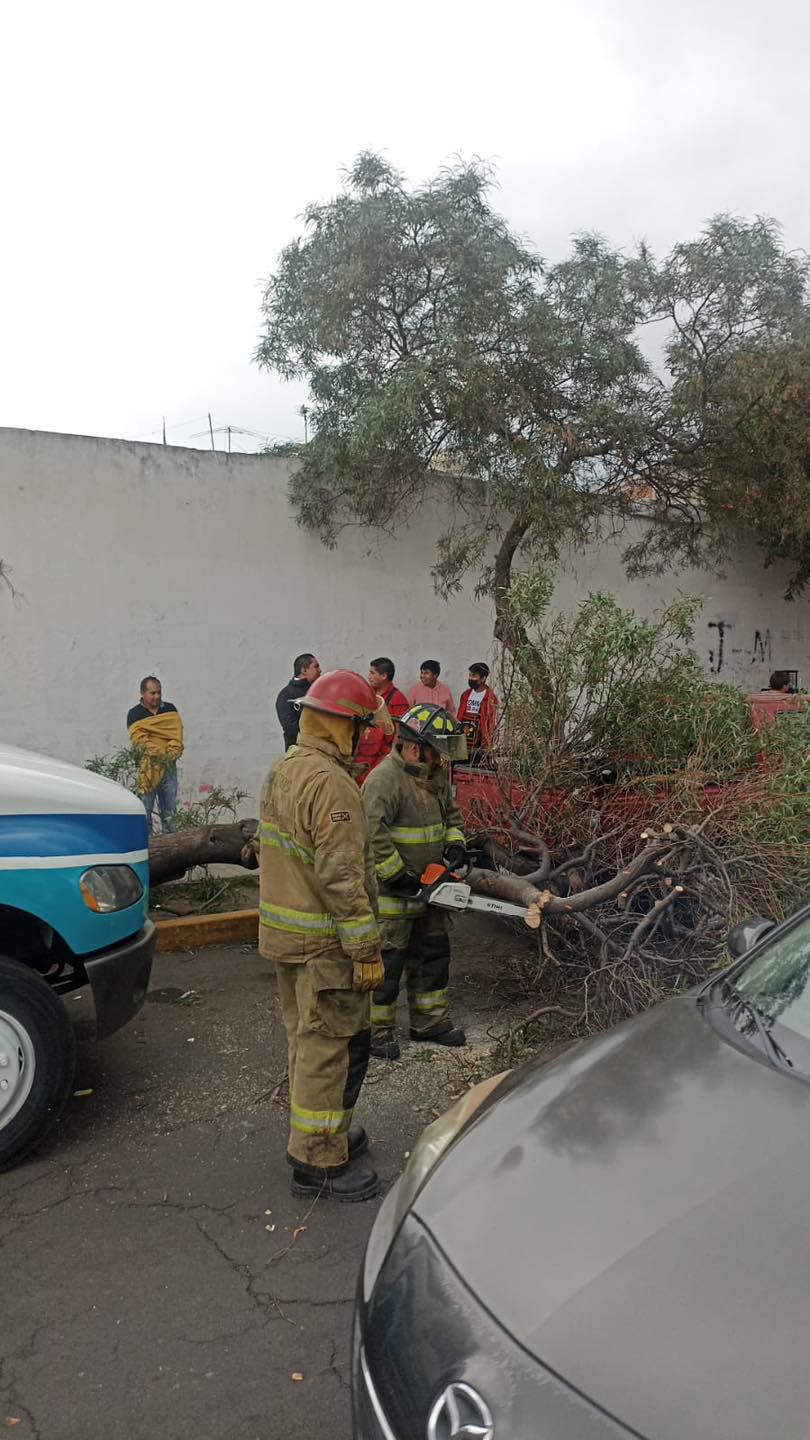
point(318, 898)
point(413, 822)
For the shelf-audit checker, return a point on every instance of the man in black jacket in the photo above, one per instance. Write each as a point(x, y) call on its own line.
point(305, 670)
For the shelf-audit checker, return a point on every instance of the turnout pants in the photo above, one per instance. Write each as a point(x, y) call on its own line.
point(419, 946)
point(328, 1039)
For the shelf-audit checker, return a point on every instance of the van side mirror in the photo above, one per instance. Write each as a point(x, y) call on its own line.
point(748, 934)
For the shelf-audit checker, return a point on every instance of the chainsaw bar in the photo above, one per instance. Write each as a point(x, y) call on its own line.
point(455, 895)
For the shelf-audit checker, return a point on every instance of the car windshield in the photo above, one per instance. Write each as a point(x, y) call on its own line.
point(777, 984)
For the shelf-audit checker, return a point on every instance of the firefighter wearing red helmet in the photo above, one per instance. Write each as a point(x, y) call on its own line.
point(414, 822)
point(318, 922)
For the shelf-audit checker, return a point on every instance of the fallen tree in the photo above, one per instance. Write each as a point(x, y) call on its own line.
point(172, 855)
point(614, 915)
point(623, 920)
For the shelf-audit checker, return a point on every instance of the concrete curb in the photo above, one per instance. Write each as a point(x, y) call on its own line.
point(193, 931)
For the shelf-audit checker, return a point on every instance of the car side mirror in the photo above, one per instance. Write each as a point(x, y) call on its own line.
point(748, 934)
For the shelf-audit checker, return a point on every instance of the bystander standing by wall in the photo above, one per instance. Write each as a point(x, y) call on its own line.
point(156, 733)
point(478, 714)
point(430, 690)
point(305, 670)
point(375, 742)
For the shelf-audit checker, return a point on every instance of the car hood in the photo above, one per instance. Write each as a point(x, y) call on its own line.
point(637, 1215)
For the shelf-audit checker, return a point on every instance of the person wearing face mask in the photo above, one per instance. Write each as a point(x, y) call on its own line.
point(318, 922)
point(478, 714)
point(414, 822)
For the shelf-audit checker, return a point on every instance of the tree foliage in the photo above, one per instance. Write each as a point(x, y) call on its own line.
point(728, 457)
point(448, 362)
point(602, 690)
point(445, 360)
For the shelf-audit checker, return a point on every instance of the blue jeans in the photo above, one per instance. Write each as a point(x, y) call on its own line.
point(166, 796)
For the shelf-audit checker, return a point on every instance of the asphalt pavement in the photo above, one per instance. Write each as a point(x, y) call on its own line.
point(157, 1278)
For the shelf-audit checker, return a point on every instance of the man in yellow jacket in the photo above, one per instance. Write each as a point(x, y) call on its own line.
point(156, 733)
point(414, 822)
point(318, 922)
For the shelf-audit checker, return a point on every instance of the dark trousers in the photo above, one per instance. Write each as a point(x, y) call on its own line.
point(420, 948)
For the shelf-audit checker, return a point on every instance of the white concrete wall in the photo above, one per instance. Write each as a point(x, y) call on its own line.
point(134, 558)
point(746, 627)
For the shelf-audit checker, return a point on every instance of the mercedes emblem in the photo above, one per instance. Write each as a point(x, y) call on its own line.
point(460, 1414)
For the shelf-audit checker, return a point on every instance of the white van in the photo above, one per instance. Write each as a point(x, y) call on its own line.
point(74, 894)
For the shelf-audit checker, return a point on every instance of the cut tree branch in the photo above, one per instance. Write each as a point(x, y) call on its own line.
point(173, 854)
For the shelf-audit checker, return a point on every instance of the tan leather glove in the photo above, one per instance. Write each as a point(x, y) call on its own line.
point(368, 974)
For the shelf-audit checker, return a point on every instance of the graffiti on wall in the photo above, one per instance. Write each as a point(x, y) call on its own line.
point(722, 652)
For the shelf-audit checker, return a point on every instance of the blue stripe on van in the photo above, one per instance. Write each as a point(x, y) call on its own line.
point(71, 834)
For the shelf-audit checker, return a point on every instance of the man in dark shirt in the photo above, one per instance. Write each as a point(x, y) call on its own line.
point(156, 734)
point(305, 670)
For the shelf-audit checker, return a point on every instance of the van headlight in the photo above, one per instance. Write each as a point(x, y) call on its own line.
point(426, 1153)
point(110, 887)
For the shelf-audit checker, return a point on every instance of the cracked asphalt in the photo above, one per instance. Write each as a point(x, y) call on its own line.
point(157, 1278)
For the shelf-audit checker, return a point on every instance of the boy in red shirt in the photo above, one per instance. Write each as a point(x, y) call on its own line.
point(478, 713)
point(374, 745)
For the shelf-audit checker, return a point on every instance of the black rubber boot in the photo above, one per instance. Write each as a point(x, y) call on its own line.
point(358, 1141)
point(454, 1038)
point(347, 1185)
point(385, 1049)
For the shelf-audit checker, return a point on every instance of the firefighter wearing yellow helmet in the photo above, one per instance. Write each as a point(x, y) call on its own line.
point(414, 822)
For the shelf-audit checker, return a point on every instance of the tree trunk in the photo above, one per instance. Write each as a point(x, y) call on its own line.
point(504, 887)
point(171, 855)
point(508, 627)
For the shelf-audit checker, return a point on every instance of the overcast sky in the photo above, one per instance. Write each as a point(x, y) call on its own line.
point(156, 157)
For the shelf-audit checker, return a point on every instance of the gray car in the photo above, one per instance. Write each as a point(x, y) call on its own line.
point(613, 1244)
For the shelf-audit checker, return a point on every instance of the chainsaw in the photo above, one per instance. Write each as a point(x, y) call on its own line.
point(441, 886)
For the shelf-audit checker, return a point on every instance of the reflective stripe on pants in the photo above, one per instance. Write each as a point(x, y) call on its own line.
point(428, 1002)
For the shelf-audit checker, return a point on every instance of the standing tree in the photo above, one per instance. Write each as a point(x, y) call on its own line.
point(445, 360)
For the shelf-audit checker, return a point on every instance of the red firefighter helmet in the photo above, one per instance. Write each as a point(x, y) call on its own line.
point(341, 692)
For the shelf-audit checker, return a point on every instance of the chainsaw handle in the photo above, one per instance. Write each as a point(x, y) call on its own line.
point(433, 877)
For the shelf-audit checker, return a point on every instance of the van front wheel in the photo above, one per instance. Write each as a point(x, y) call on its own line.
point(37, 1060)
